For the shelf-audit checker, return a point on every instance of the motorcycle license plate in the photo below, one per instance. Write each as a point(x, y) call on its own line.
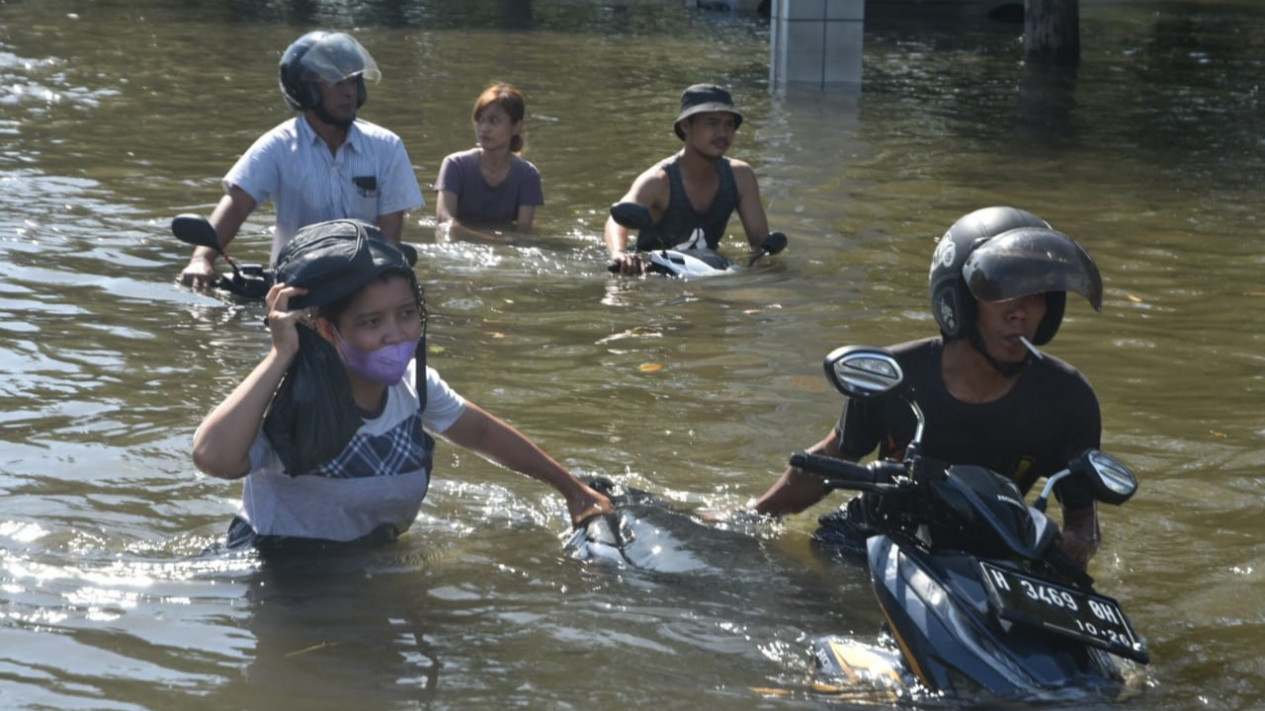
point(1092, 619)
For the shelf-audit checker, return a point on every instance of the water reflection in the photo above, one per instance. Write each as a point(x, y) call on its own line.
point(116, 117)
point(351, 634)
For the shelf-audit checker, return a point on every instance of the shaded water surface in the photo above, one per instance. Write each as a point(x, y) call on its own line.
point(114, 116)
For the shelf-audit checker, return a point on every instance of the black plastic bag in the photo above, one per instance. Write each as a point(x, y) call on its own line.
point(313, 414)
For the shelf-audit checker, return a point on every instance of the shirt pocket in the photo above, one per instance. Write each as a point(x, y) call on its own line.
point(365, 191)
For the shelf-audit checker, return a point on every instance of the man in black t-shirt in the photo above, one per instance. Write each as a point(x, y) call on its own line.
point(999, 283)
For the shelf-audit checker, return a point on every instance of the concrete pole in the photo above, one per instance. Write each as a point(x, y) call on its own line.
point(1051, 32)
point(816, 43)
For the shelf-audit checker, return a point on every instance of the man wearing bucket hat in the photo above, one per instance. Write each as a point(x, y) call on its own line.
point(690, 195)
point(332, 430)
point(323, 164)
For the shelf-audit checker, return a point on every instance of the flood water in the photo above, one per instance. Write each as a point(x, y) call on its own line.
point(117, 115)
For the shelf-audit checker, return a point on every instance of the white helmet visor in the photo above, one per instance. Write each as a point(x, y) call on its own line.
point(337, 56)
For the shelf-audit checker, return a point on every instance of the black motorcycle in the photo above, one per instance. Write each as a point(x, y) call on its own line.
point(977, 595)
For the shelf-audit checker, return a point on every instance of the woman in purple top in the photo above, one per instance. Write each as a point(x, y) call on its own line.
point(490, 184)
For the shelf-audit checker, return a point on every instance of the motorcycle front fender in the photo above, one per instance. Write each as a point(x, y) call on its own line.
point(939, 614)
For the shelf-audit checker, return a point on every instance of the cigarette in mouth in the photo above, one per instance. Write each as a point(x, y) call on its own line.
point(1028, 344)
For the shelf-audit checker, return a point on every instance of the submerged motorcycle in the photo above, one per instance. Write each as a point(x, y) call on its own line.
point(686, 263)
point(250, 281)
point(977, 595)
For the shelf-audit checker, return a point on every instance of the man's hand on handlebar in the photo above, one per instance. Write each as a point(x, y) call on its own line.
point(200, 273)
point(628, 263)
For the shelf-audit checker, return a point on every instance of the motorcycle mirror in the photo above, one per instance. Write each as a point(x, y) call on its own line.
point(863, 372)
point(195, 230)
point(774, 243)
point(1112, 480)
point(198, 231)
point(632, 215)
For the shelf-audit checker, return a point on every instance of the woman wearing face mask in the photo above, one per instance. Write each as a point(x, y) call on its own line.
point(346, 293)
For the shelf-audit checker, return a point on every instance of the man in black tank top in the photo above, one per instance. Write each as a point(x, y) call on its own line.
point(998, 285)
point(691, 194)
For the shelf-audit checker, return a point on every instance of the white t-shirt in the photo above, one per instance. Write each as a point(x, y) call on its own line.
point(380, 478)
point(369, 175)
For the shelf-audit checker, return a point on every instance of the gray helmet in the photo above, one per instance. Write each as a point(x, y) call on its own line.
point(1000, 253)
point(328, 56)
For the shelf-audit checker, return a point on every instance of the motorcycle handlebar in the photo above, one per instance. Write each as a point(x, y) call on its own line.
point(840, 473)
point(1066, 565)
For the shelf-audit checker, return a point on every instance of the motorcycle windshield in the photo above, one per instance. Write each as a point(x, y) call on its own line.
point(988, 515)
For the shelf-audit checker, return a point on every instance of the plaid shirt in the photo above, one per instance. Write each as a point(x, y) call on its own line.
point(380, 478)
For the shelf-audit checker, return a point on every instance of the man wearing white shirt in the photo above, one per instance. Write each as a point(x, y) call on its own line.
point(323, 164)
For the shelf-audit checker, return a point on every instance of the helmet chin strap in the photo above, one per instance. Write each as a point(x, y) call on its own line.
point(1009, 370)
point(325, 117)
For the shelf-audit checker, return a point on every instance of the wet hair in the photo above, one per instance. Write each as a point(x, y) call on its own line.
point(333, 311)
point(510, 99)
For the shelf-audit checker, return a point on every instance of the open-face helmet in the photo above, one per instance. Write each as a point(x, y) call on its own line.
point(1001, 253)
point(324, 56)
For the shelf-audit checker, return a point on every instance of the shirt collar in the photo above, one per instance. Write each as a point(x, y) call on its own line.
point(308, 135)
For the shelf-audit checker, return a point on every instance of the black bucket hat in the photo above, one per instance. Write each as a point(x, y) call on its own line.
point(333, 259)
point(705, 97)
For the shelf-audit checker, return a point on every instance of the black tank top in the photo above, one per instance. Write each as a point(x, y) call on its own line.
point(680, 224)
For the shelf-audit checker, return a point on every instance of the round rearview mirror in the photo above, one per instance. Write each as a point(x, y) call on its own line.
point(1112, 480)
point(634, 216)
point(863, 372)
point(195, 230)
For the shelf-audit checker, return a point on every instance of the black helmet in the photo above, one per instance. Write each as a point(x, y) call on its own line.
point(1002, 253)
point(330, 56)
point(333, 259)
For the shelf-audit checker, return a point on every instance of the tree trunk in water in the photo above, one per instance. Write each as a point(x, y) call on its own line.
point(1051, 31)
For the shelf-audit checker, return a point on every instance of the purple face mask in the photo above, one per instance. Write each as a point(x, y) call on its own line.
point(385, 365)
